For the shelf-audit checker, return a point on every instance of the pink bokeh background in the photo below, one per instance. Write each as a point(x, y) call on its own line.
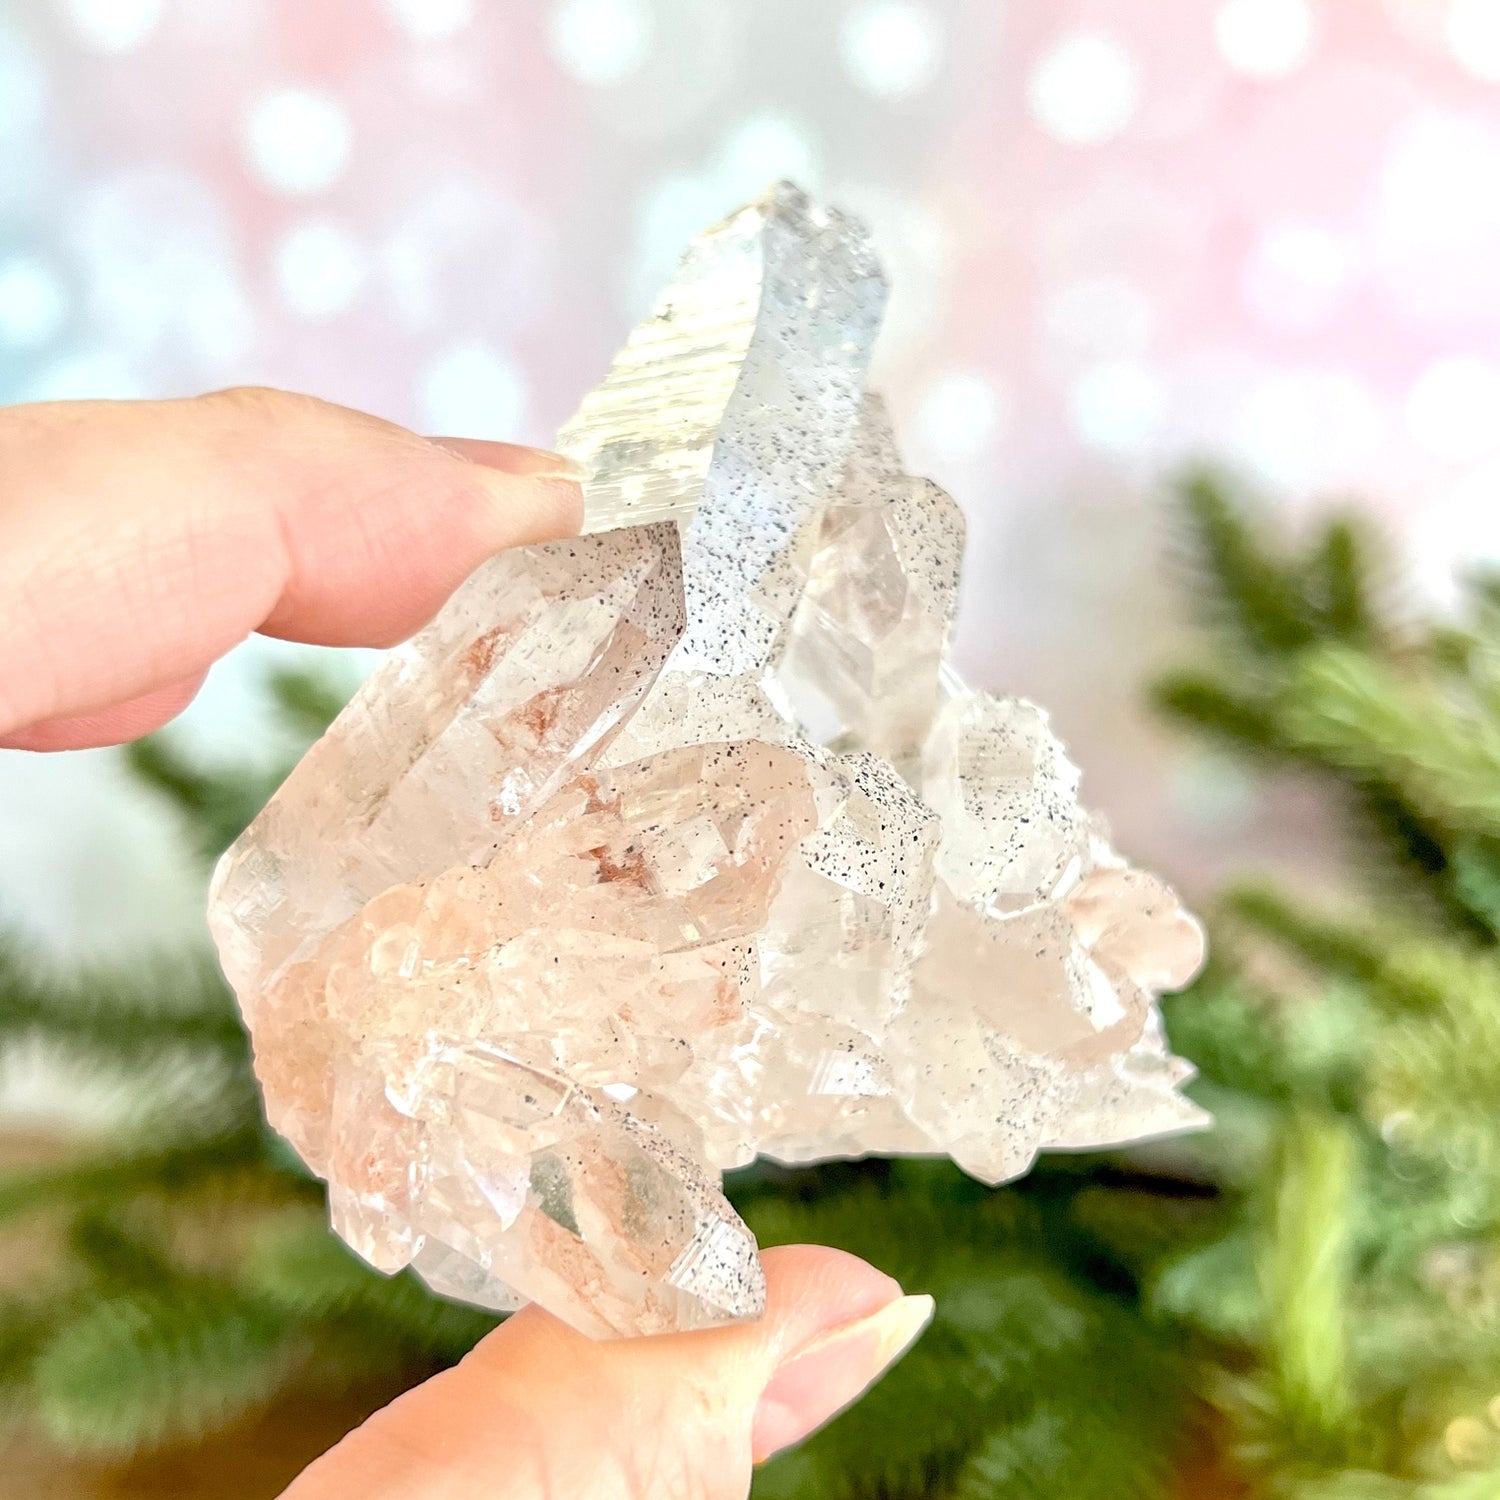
point(1121, 233)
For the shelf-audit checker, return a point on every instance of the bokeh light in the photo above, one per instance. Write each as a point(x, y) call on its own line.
point(430, 18)
point(23, 88)
point(1437, 216)
point(33, 302)
point(891, 48)
point(1265, 38)
point(765, 149)
point(157, 253)
point(1294, 274)
point(320, 268)
point(113, 26)
point(1461, 521)
point(600, 42)
point(1453, 409)
point(92, 373)
point(1085, 89)
point(1474, 36)
point(960, 414)
point(1303, 429)
point(298, 140)
point(472, 390)
point(1118, 406)
point(457, 254)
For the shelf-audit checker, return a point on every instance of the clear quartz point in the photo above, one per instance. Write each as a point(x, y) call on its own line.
point(681, 842)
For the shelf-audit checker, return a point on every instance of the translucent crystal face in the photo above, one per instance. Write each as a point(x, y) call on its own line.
point(680, 843)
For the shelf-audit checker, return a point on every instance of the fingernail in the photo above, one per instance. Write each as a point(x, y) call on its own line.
point(825, 1375)
point(516, 458)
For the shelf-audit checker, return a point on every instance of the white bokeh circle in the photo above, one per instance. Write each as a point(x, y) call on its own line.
point(1265, 38)
point(430, 19)
point(1118, 406)
point(298, 140)
point(763, 149)
point(891, 48)
point(320, 268)
point(1435, 232)
point(1474, 37)
point(114, 27)
point(1295, 274)
point(1085, 88)
point(156, 251)
point(1304, 428)
point(472, 390)
point(94, 373)
point(600, 42)
point(1453, 408)
point(1451, 529)
point(33, 302)
point(960, 414)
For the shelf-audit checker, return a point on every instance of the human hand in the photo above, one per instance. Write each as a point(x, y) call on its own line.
point(139, 541)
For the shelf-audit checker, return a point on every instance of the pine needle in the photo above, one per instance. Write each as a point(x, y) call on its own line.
point(1305, 1270)
point(1249, 590)
point(111, 1178)
point(157, 1002)
point(137, 1371)
point(298, 1267)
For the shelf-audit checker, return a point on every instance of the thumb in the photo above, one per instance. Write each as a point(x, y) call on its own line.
point(540, 1412)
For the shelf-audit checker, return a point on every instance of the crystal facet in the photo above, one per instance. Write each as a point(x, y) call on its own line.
point(681, 842)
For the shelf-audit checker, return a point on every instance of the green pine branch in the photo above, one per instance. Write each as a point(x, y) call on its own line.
point(1475, 865)
point(1014, 1347)
point(138, 1370)
point(298, 1267)
point(1357, 715)
point(121, 1014)
point(1248, 589)
point(1225, 710)
point(1343, 584)
point(1436, 1080)
point(1305, 1267)
point(103, 1179)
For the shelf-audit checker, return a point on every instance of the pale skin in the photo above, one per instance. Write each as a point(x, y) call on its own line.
point(139, 541)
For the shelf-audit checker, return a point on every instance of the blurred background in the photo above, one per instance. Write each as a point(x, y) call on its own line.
point(1119, 232)
point(1122, 235)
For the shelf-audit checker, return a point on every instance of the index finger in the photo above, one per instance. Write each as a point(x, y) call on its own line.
point(139, 541)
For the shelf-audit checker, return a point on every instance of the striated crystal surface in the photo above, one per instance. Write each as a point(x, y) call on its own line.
point(681, 842)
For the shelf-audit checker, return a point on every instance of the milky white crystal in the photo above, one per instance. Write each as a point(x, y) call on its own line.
point(681, 842)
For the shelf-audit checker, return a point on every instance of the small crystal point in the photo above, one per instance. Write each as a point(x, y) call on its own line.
point(681, 842)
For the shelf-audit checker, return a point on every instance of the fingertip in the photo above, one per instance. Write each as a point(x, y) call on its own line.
point(531, 508)
point(515, 458)
point(116, 725)
point(814, 1285)
point(832, 1370)
point(548, 504)
point(372, 564)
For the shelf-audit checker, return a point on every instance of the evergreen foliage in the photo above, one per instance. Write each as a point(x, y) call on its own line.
point(1310, 1291)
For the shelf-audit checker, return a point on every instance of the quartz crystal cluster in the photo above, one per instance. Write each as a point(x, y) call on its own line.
point(681, 843)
